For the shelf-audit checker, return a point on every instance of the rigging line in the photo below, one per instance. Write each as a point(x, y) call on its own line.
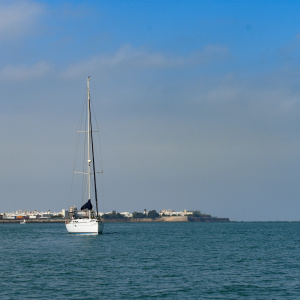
point(99, 155)
point(76, 142)
point(77, 136)
point(99, 161)
point(84, 168)
point(93, 157)
point(102, 191)
point(71, 191)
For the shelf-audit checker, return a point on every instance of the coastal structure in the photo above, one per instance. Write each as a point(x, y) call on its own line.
point(30, 215)
point(172, 212)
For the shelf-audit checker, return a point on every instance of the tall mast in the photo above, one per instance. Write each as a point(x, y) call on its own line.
point(92, 148)
point(88, 132)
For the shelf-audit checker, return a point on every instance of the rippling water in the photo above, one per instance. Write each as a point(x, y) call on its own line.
point(151, 260)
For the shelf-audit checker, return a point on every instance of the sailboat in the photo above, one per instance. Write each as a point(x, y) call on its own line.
point(87, 221)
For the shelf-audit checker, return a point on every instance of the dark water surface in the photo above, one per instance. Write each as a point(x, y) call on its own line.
point(151, 260)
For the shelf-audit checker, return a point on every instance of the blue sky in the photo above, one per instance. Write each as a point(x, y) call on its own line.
point(198, 104)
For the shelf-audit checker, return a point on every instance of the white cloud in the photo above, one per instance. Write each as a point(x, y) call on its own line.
point(16, 17)
point(25, 72)
point(130, 57)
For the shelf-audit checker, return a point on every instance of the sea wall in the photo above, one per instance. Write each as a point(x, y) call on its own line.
point(175, 219)
point(207, 219)
point(144, 220)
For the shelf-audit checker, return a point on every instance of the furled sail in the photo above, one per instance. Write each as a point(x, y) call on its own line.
point(87, 205)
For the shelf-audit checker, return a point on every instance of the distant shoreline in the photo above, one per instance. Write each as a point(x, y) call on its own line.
point(140, 221)
point(131, 220)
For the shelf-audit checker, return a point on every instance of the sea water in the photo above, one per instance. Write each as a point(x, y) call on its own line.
point(151, 260)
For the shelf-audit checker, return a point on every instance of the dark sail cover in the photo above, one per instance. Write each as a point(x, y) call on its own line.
point(87, 205)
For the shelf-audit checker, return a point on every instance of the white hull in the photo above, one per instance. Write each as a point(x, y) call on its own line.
point(89, 226)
